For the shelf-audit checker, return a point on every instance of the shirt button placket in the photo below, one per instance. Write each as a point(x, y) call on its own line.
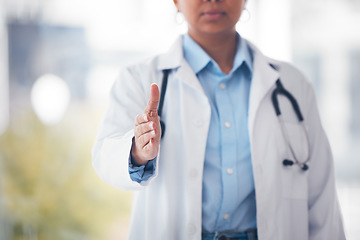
point(228, 152)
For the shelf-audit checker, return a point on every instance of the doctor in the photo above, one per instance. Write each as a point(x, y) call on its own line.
point(218, 171)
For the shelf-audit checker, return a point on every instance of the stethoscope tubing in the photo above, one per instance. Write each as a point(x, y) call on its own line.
point(282, 91)
point(279, 90)
point(162, 97)
point(303, 165)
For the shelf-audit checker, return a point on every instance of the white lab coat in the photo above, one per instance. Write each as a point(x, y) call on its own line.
point(291, 204)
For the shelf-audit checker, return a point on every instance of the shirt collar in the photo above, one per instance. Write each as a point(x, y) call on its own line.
point(194, 54)
point(198, 59)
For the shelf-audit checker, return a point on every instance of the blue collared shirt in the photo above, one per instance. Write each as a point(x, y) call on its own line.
point(228, 201)
point(228, 198)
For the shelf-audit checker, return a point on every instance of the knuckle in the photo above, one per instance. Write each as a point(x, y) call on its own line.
point(141, 129)
point(141, 118)
point(137, 119)
point(144, 139)
point(137, 132)
point(148, 149)
point(153, 113)
point(144, 128)
point(141, 140)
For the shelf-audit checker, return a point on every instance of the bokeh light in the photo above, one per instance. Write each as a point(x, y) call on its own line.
point(50, 97)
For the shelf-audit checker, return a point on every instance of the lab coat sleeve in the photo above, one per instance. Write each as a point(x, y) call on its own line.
point(325, 220)
point(110, 152)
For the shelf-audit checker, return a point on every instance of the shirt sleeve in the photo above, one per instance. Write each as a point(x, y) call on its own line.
point(140, 173)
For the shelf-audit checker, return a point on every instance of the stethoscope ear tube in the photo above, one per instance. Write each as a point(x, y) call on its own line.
point(303, 166)
point(287, 162)
point(281, 90)
point(275, 100)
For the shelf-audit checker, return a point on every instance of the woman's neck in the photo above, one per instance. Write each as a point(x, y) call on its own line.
point(220, 47)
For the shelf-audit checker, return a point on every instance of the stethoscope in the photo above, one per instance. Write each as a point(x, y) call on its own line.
point(281, 90)
point(274, 97)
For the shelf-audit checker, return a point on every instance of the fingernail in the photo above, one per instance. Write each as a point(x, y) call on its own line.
point(146, 117)
point(153, 133)
point(151, 125)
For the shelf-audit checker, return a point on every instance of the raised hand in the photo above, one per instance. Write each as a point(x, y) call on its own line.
point(147, 130)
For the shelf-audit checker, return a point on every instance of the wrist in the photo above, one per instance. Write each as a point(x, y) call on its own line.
point(136, 160)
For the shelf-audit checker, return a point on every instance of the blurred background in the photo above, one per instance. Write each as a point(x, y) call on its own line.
point(58, 59)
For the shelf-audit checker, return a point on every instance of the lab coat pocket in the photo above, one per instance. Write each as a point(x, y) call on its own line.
point(294, 182)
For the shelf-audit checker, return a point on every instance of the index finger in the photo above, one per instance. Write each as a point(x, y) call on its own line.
point(153, 100)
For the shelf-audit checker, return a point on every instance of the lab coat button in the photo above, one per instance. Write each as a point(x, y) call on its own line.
point(227, 124)
point(191, 229)
point(222, 85)
point(229, 171)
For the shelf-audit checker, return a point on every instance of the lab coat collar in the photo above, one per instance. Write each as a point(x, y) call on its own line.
point(174, 59)
point(264, 75)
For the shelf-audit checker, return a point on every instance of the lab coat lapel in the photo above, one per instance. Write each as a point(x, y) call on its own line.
point(174, 59)
point(264, 78)
point(187, 75)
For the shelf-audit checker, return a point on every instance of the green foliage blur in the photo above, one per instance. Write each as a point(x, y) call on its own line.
point(48, 184)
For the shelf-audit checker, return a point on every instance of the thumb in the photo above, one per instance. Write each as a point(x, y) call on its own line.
point(153, 100)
